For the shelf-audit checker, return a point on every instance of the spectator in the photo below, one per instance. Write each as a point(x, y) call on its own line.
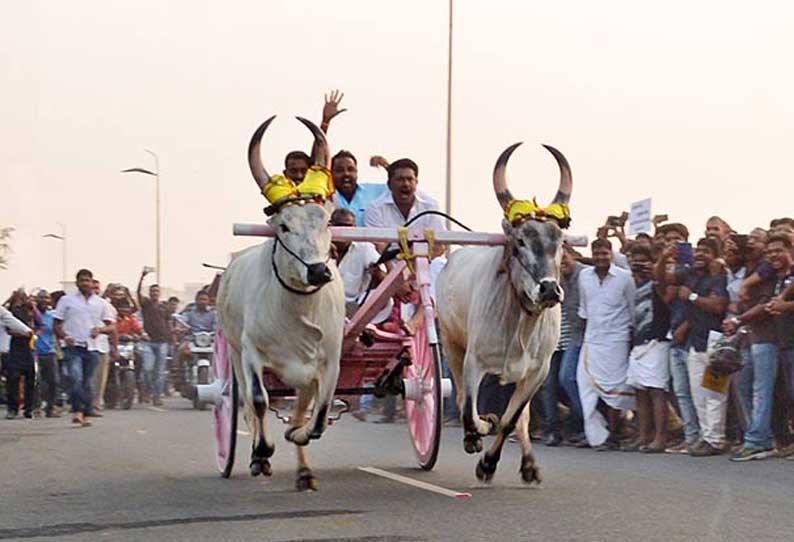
point(671, 235)
point(562, 374)
point(607, 307)
point(707, 300)
point(781, 307)
point(45, 354)
point(760, 359)
point(717, 228)
point(649, 370)
point(103, 349)
point(155, 351)
point(18, 363)
point(79, 319)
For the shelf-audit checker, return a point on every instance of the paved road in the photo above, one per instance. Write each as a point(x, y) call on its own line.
point(149, 475)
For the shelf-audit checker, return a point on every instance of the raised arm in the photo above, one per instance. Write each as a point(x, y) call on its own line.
point(661, 272)
point(139, 295)
point(331, 108)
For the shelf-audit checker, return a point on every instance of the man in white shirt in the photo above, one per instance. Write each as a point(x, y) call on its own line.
point(356, 262)
point(10, 325)
point(606, 303)
point(403, 202)
point(102, 348)
point(79, 319)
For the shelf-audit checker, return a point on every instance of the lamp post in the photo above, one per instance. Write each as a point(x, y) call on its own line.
point(448, 199)
point(156, 175)
point(62, 239)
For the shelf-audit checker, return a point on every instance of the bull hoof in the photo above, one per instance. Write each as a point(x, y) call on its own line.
point(472, 444)
point(306, 481)
point(261, 466)
point(484, 471)
point(290, 437)
point(493, 422)
point(530, 472)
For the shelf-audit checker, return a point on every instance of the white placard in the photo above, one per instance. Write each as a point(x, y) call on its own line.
point(640, 217)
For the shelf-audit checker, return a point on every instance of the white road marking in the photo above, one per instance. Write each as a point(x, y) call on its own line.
point(416, 483)
point(141, 431)
point(157, 409)
point(243, 433)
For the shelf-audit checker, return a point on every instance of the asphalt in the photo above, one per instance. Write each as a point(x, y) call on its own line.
point(149, 474)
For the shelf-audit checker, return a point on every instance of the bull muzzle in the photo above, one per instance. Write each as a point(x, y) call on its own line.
point(550, 293)
point(318, 274)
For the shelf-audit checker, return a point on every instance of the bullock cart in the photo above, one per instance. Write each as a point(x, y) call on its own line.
point(373, 361)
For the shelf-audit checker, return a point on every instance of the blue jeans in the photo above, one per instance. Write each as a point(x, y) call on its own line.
point(758, 376)
point(154, 367)
point(81, 365)
point(683, 393)
point(551, 396)
point(787, 365)
point(568, 366)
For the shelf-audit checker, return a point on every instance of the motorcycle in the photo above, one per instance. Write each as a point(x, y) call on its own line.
point(196, 368)
point(121, 384)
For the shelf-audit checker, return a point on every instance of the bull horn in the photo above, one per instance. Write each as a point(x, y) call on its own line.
point(503, 194)
point(258, 170)
point(563, 195)
point(321, 154)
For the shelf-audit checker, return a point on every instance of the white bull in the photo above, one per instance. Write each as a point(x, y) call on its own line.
point(499, 312)
point(282, 307)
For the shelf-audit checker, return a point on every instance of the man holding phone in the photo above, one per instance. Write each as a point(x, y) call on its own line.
point(706, 299)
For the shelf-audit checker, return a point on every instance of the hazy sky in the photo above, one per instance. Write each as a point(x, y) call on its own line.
point(691, 103)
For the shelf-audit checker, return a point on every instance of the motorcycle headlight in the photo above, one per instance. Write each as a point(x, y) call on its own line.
point(203, 340)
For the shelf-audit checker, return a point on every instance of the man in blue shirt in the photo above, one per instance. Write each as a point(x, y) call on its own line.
point(349, 193)
point(201, 317)
point(45, 352)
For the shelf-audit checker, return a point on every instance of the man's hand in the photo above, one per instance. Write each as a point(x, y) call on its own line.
point(95, 332)
point(378, 161)
point(744, 294)
point(670, 253)
point(729, 327)
point(680, 334)
point(69, 341)
point(684, 293)
point(774, 307)
point(331, 107)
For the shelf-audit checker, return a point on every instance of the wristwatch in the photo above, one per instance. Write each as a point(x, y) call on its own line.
point(693, 297)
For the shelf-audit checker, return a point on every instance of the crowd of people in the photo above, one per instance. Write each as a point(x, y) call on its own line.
point(59, 347)
point(666, 345)
point(675, 347)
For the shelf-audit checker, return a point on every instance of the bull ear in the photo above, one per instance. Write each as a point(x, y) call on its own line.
point(329, 206)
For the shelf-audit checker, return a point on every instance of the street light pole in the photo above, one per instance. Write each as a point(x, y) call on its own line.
point(156, 175)
point(448, 201)
point(62, 239)
point(157, 210)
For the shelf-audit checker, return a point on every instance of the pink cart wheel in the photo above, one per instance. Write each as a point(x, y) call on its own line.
point(424, 412)
point(225, 411)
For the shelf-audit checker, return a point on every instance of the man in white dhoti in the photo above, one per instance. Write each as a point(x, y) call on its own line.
point(607, 306)
point(649, 370)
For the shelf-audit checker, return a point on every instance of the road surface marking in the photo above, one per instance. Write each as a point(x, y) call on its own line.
point(416, 483)
point(243, 433)
point(157, 409)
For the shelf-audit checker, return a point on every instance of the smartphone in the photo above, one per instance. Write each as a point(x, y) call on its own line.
point(685, 255)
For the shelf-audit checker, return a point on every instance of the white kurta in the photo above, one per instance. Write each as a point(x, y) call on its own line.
point(608, 308)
